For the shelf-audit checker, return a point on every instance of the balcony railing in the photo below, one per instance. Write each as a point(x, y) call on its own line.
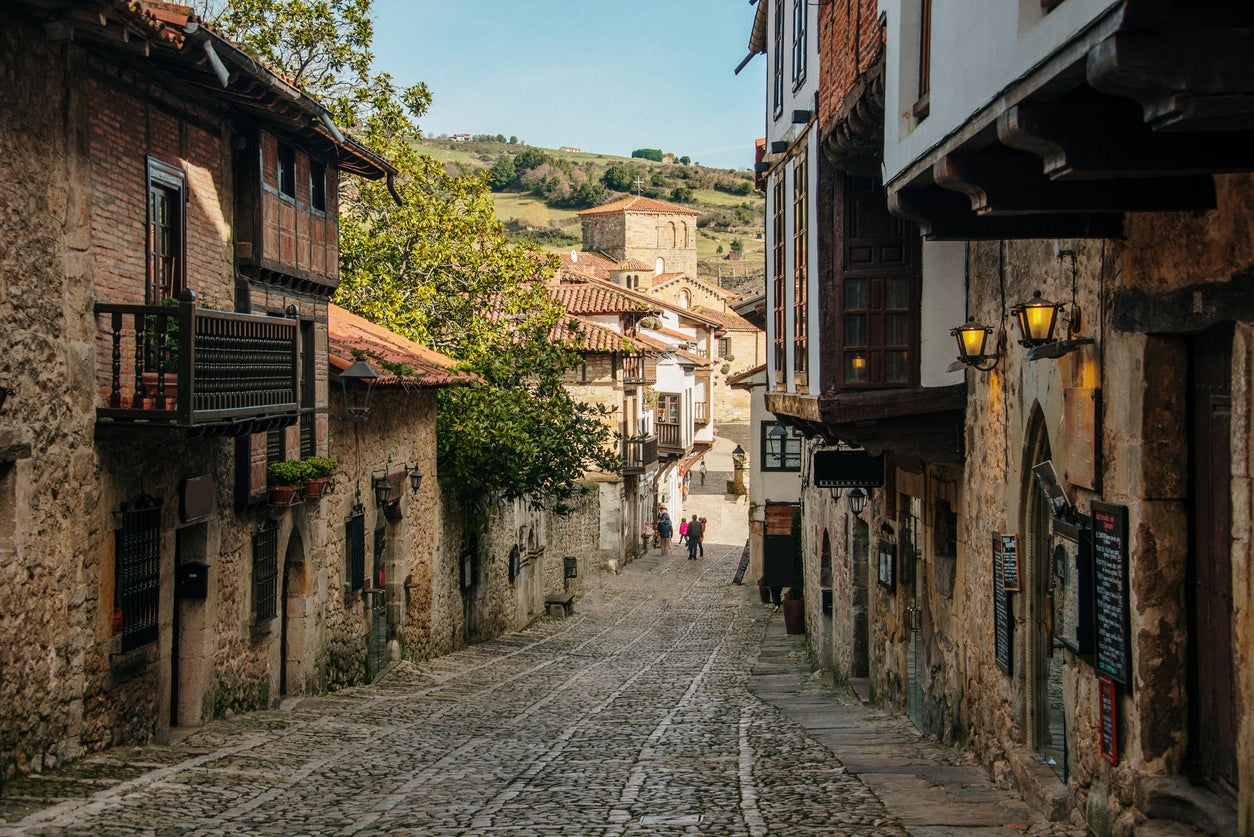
point(670, 437)
point(700, 413)
point(185, 366)
point(639, 454)
point(638, 369)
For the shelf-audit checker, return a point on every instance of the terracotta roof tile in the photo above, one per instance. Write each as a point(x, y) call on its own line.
point(638, 203)
point(349, 334)
point(728, 319)
point(633, 264)
point(596, 297)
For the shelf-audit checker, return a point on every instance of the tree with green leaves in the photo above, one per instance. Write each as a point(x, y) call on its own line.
point(437, 267)
point(654, 154)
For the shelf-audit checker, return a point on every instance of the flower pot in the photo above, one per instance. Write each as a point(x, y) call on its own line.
point(150, 382)
point(315, 488)
point(286, 495)
point(795, 616)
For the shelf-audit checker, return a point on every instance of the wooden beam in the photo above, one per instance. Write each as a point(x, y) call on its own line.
point(1105, 138)
point(1199, 78)
point(944, 215)
point(1187, 310)
point(1012, 183)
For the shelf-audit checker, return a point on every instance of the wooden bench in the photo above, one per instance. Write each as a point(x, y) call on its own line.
point(566, 600)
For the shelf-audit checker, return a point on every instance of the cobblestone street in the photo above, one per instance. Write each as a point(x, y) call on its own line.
point(634, 716)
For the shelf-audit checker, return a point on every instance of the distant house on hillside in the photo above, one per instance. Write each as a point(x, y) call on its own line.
point(571, 148)
point(461, 137)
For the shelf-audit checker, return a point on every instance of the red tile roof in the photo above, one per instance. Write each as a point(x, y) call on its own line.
point(728, 319)
point(638, 203)
point(586, 263)
point(412, 364)
point(597, 297)
point(633, 264)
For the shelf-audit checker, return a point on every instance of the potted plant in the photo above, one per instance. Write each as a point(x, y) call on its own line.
point(318, 473)
point(287, 482)
point(794, 604)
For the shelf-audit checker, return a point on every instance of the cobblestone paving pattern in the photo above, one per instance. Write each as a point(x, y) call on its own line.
point(630, 718)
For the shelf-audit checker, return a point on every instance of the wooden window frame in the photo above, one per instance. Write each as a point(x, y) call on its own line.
point(800, 262)
point(285, 174)
point(921, 106)
point(777, 70)
point(798, 43)
point(167, 232)
point(778, 261)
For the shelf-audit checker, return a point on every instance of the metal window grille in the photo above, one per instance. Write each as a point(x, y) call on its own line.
point(274, 446)
point(355, 535)
point(138, 584)
point(266, 572)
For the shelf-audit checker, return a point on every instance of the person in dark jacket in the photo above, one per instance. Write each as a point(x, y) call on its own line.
point(665, 530)
point(695, 531)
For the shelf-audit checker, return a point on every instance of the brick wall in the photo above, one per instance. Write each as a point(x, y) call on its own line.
point(850, 42)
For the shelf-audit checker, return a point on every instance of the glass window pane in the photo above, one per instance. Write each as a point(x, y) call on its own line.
point(895, 368)
point(855, 294)
point(897, 292)
point(896, 329)
point(855, 330)
point(856, 367)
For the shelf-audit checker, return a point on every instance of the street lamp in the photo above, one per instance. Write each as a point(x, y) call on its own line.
point(415, 479)
point(382, 487)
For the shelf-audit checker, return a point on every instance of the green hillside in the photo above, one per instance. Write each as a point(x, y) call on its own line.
point(538, 192)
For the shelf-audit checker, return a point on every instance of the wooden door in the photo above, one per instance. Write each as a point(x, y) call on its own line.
point(1212, 684)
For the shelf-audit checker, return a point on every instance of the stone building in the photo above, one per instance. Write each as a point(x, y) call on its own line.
point(1054, 564)
point(651, 246)
point(176, 205)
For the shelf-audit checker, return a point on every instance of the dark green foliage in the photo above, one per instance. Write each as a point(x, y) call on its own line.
point(734, 187)
point(620, 177)
point(681, 194)
point(503, 174)
point(685, 160)
point(654, 154)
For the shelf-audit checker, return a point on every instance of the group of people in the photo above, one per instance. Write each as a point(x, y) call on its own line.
point(691, 532)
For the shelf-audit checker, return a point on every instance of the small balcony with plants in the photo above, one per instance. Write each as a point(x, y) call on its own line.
point(208, 372)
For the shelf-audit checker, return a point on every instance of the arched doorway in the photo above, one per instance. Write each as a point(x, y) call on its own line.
point(1043, 687)
point(295, 619)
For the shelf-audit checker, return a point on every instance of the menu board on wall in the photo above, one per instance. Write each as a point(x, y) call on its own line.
point(1010, 562)
point(1109, 730)
point(1110, 571)
point(1002, 625)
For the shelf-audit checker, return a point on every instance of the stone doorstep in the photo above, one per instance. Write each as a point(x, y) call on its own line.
point(1039, 785)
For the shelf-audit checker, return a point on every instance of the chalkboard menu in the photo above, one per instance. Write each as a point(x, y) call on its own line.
point(1010, 562)
point(1003, 627)
point(1110, 570)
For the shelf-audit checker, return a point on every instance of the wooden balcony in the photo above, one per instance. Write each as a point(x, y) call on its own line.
point(700, 413)
point(670, 439)
point(639, 455)
point(639, 369)
point(210, 372)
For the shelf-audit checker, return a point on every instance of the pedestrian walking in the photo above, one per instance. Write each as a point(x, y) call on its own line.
point(703, 470)
point(664, 531)
point(694, 537)
point(701, 540)
point(683, 529)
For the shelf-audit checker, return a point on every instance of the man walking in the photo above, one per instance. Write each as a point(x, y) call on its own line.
point(703, 470)
point(694, 537)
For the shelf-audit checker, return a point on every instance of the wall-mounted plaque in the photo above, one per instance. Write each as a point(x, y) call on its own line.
point(887, 564)
point(1110, 572)
point(1003, 627)
point(1080, 436)
point(1109, 726)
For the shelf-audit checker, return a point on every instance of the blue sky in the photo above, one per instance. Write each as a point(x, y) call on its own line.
point(608, 76)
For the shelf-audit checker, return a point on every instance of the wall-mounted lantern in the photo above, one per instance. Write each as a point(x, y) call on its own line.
point(857, 501)
point(972, 338)
point(356, 401)
point(1037, 318)
point(835, 492)
point(382, 487)
point(415, 479)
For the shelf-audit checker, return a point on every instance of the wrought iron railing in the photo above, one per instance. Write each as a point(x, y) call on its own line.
point(192, 367)
point(639, 454)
